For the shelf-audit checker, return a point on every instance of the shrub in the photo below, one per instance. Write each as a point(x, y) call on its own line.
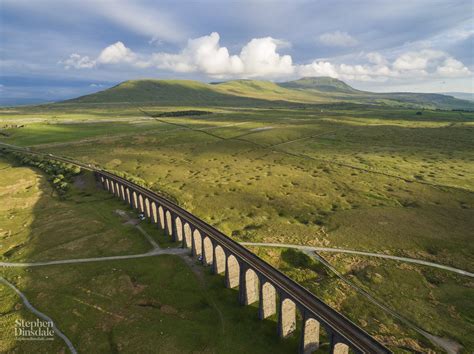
point(60, 173)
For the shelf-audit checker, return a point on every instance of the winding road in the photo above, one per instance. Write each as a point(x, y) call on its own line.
point(362, 253)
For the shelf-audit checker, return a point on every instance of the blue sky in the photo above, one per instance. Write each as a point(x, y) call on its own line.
point(54, 49)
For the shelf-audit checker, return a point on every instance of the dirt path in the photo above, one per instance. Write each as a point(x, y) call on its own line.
point(41, 315)
point(135, 222)
point(369, 254)
point(450, 346)
point(152, 253)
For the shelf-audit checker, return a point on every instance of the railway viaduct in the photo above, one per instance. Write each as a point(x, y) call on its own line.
point(256, 280)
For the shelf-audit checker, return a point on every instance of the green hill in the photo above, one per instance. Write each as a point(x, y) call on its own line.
point(169, 93)
point(267, 90)
point(322, 84)
point(255, 93)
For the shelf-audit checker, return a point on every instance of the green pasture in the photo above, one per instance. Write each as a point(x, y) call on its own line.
point(374, 178)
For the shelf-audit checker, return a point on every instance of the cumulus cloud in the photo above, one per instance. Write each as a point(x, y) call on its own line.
point(417, 60)
point(77, 61)
point(260, 58)
point(338, 39)
point(412, 64)
point(116, 53)
point(452, 68)
point(203, 54)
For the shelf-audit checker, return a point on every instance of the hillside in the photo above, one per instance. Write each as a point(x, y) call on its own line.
point(321, 84)
point(169, 92)
point(255, 93)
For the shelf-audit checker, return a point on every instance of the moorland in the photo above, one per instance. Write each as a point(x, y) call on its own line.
point(310, 162)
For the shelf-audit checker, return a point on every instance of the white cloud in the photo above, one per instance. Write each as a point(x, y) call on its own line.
point(452, 68)
point(318, 68)
point(338, 39)
point(417, 60)
point(116, 53)
point(409, 65)
point(260, 58)
point(77, 61)
point(203, 54)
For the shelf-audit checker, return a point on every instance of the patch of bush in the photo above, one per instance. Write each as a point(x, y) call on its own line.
point(299, 259)
point(182, 113)
point(60, 174)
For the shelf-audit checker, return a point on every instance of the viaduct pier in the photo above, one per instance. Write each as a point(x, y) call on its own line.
point(256, 280)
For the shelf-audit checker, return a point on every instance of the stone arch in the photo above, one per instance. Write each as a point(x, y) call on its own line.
point(135, 199)
point(310, 337)
point(341, 348)
point(267, 300)
point(147, 208)
point(169, 223)
point(141, 206)
point(232, 272)
point(187, 236)
point(197, 243)
point(122, 192)
point(179, 228)
point(286, 317)
point(127, 193)
point(112, 187)
point(250, 287)
point(154, 213)
point(162, 217)
point(219, 260)
point(207, 251)
point(107, 186)
point(117, 189)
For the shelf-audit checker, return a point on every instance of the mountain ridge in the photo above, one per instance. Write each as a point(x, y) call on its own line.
point(243, 92)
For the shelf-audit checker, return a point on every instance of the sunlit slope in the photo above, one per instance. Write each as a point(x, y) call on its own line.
point(170, 93)
point(267, 90)
point(255, 93)
point(340, 91)
point(320, 84)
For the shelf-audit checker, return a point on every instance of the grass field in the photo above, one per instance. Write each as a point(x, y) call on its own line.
point(137, 305)
point(443, 303)
point(37, 225)
point(374, 178)
point(431, 299)
point(349, 179)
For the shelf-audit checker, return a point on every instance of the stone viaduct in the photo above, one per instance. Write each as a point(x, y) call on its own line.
point(256, 280)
